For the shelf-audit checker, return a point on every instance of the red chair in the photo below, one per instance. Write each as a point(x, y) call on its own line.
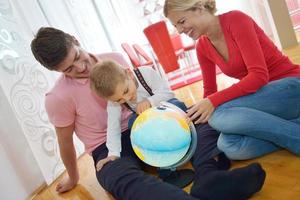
point(143, 56)
point(138, 56)
point(177, 44)
point(131, 54)
point(168, 53)
point(161, 44)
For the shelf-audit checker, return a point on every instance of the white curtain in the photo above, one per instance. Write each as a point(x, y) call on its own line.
point(24, 132)
point(24, 84)
point(80, 19)
point(256, 9)
point(122, 20)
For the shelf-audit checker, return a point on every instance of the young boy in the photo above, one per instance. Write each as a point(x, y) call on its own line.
point(120, 86)
point(137, 91)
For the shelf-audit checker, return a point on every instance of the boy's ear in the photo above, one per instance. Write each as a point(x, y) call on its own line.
point(107, 98)
point(129, 73)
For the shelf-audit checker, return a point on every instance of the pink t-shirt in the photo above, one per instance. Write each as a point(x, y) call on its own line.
point(71, 100)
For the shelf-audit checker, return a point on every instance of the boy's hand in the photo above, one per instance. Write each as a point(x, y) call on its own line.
point(201, 111)
point(142, 106)
point(102, 162)
point(65, 185)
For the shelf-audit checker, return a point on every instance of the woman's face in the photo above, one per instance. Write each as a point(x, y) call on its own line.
point(194, 23)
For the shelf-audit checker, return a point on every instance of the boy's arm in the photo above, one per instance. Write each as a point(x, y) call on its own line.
point(159, 86)
point(68, 156)
point(113, 138)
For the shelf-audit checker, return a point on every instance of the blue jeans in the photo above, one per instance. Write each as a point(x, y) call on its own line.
point(260, 123)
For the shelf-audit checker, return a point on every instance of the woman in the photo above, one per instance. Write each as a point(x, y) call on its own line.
point(260, 113)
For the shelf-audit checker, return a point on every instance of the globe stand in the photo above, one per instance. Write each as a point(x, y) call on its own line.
point(180, 178)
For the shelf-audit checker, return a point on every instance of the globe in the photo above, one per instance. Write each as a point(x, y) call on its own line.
point(161, 136)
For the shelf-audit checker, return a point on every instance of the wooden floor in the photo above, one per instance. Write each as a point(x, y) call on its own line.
point(283, 168)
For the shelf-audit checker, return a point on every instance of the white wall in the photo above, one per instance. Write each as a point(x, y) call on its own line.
point(20, 174)
point(225, 6)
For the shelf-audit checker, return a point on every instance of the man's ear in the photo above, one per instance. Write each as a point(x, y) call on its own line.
point(76, 42)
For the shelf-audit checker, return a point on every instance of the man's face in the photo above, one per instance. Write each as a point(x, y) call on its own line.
point(77, 64)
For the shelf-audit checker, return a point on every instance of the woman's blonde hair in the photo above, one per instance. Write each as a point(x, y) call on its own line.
point(179, 5)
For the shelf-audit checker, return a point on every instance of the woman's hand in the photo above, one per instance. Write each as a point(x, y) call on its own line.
point(201, 111)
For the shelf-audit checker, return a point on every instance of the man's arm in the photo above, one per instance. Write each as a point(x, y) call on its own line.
point(68, 156)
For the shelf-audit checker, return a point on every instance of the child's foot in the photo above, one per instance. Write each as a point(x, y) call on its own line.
point(237, 184)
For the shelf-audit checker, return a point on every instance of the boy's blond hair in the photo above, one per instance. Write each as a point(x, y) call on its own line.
point(105, 76)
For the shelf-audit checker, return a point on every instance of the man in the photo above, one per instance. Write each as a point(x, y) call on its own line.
point(72, 107)
point(61, 52)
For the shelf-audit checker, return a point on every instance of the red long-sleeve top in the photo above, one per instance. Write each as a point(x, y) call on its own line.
point(253, 59)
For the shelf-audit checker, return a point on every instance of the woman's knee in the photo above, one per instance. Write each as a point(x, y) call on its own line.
point(217, 121)
point(232, 146)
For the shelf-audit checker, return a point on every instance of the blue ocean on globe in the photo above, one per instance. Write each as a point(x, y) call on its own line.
point(160, 137)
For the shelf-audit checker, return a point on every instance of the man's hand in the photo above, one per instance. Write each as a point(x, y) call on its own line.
point(201, 111)
point(68, 155)
point(142, 106)
point(66, 184)
point(102, 162)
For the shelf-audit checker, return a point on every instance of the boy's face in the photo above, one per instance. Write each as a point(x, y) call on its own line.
point(125, 91)
point(78, 63)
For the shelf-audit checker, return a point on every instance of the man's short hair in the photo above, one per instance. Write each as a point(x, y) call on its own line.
point(50, 46)
point(105, 76)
